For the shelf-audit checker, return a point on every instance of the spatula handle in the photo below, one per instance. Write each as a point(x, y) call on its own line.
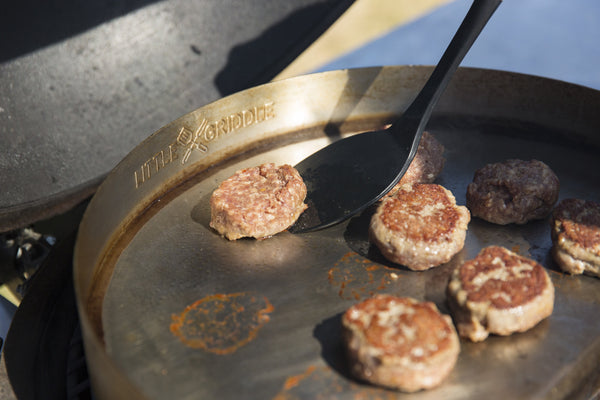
point(418, 113)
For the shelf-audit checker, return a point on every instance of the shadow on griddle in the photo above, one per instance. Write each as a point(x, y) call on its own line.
point(200, 213)
point(329, 335)
point(356, 236)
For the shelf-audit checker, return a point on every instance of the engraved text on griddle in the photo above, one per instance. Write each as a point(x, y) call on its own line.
point(190, 139)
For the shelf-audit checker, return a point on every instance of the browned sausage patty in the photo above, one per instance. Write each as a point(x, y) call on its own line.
point(399, 342)
point(513, 191)
point(420, 226)
point(427, 164)
point(258, 202)
point(499, 292)
point(576, 236)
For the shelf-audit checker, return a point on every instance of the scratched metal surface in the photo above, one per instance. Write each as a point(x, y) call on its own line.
point(188, 314)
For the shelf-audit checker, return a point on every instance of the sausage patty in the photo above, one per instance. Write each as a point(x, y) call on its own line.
point(399, 342)
point(258, 202)
point(499, 292)
point(427, 164)
point(420, 226)
point(576, 236)
point(513, 191)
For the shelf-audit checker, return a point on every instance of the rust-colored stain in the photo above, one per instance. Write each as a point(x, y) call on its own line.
point(222, 323)
point(295, 380)
point(357, 277)
point(323, 383)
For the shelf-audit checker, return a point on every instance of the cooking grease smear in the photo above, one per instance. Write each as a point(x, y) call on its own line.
point(358, 277)
point(222, 323)
point(322, 382)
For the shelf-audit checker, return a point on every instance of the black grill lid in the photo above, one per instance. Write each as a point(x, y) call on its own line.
point(83, 82)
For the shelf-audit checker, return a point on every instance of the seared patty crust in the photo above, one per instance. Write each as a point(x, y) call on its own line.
point(399, 342)
point(576, 236)
point(258, 202)
point(420, 226)
point(513, 191)
point(499, 292)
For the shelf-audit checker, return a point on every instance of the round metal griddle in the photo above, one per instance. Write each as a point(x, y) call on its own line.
point(170, 309)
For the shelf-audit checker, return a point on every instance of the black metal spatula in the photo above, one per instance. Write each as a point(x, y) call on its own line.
point(349, 175)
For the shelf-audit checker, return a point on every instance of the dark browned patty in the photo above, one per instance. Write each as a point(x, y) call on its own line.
point(399, 342)
point(420, 226)
point(513, 191)
point(499, 292)
point(576, 236)
point(258, 202)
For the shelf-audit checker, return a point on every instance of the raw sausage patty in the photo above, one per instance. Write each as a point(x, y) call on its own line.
point(258, 202)
point(399, 342)
point(420, 226)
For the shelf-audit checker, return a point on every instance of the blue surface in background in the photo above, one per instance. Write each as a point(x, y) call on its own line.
point(550, 38)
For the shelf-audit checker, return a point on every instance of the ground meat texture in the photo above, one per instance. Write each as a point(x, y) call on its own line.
point(513, 191)
point(499, 292)
point(427, 164)
point(576, 236)
point(258, 202)
point(420, 226)
point(399, 342)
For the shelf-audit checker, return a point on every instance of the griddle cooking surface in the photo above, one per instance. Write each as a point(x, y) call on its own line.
point(183, 313)
point(285, 294)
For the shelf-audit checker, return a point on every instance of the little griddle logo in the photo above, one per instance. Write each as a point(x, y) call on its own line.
point(199, 138)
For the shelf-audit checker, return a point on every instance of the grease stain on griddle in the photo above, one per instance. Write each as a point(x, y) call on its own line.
point(321, 382)
point(222, 323)
point(358, 277)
